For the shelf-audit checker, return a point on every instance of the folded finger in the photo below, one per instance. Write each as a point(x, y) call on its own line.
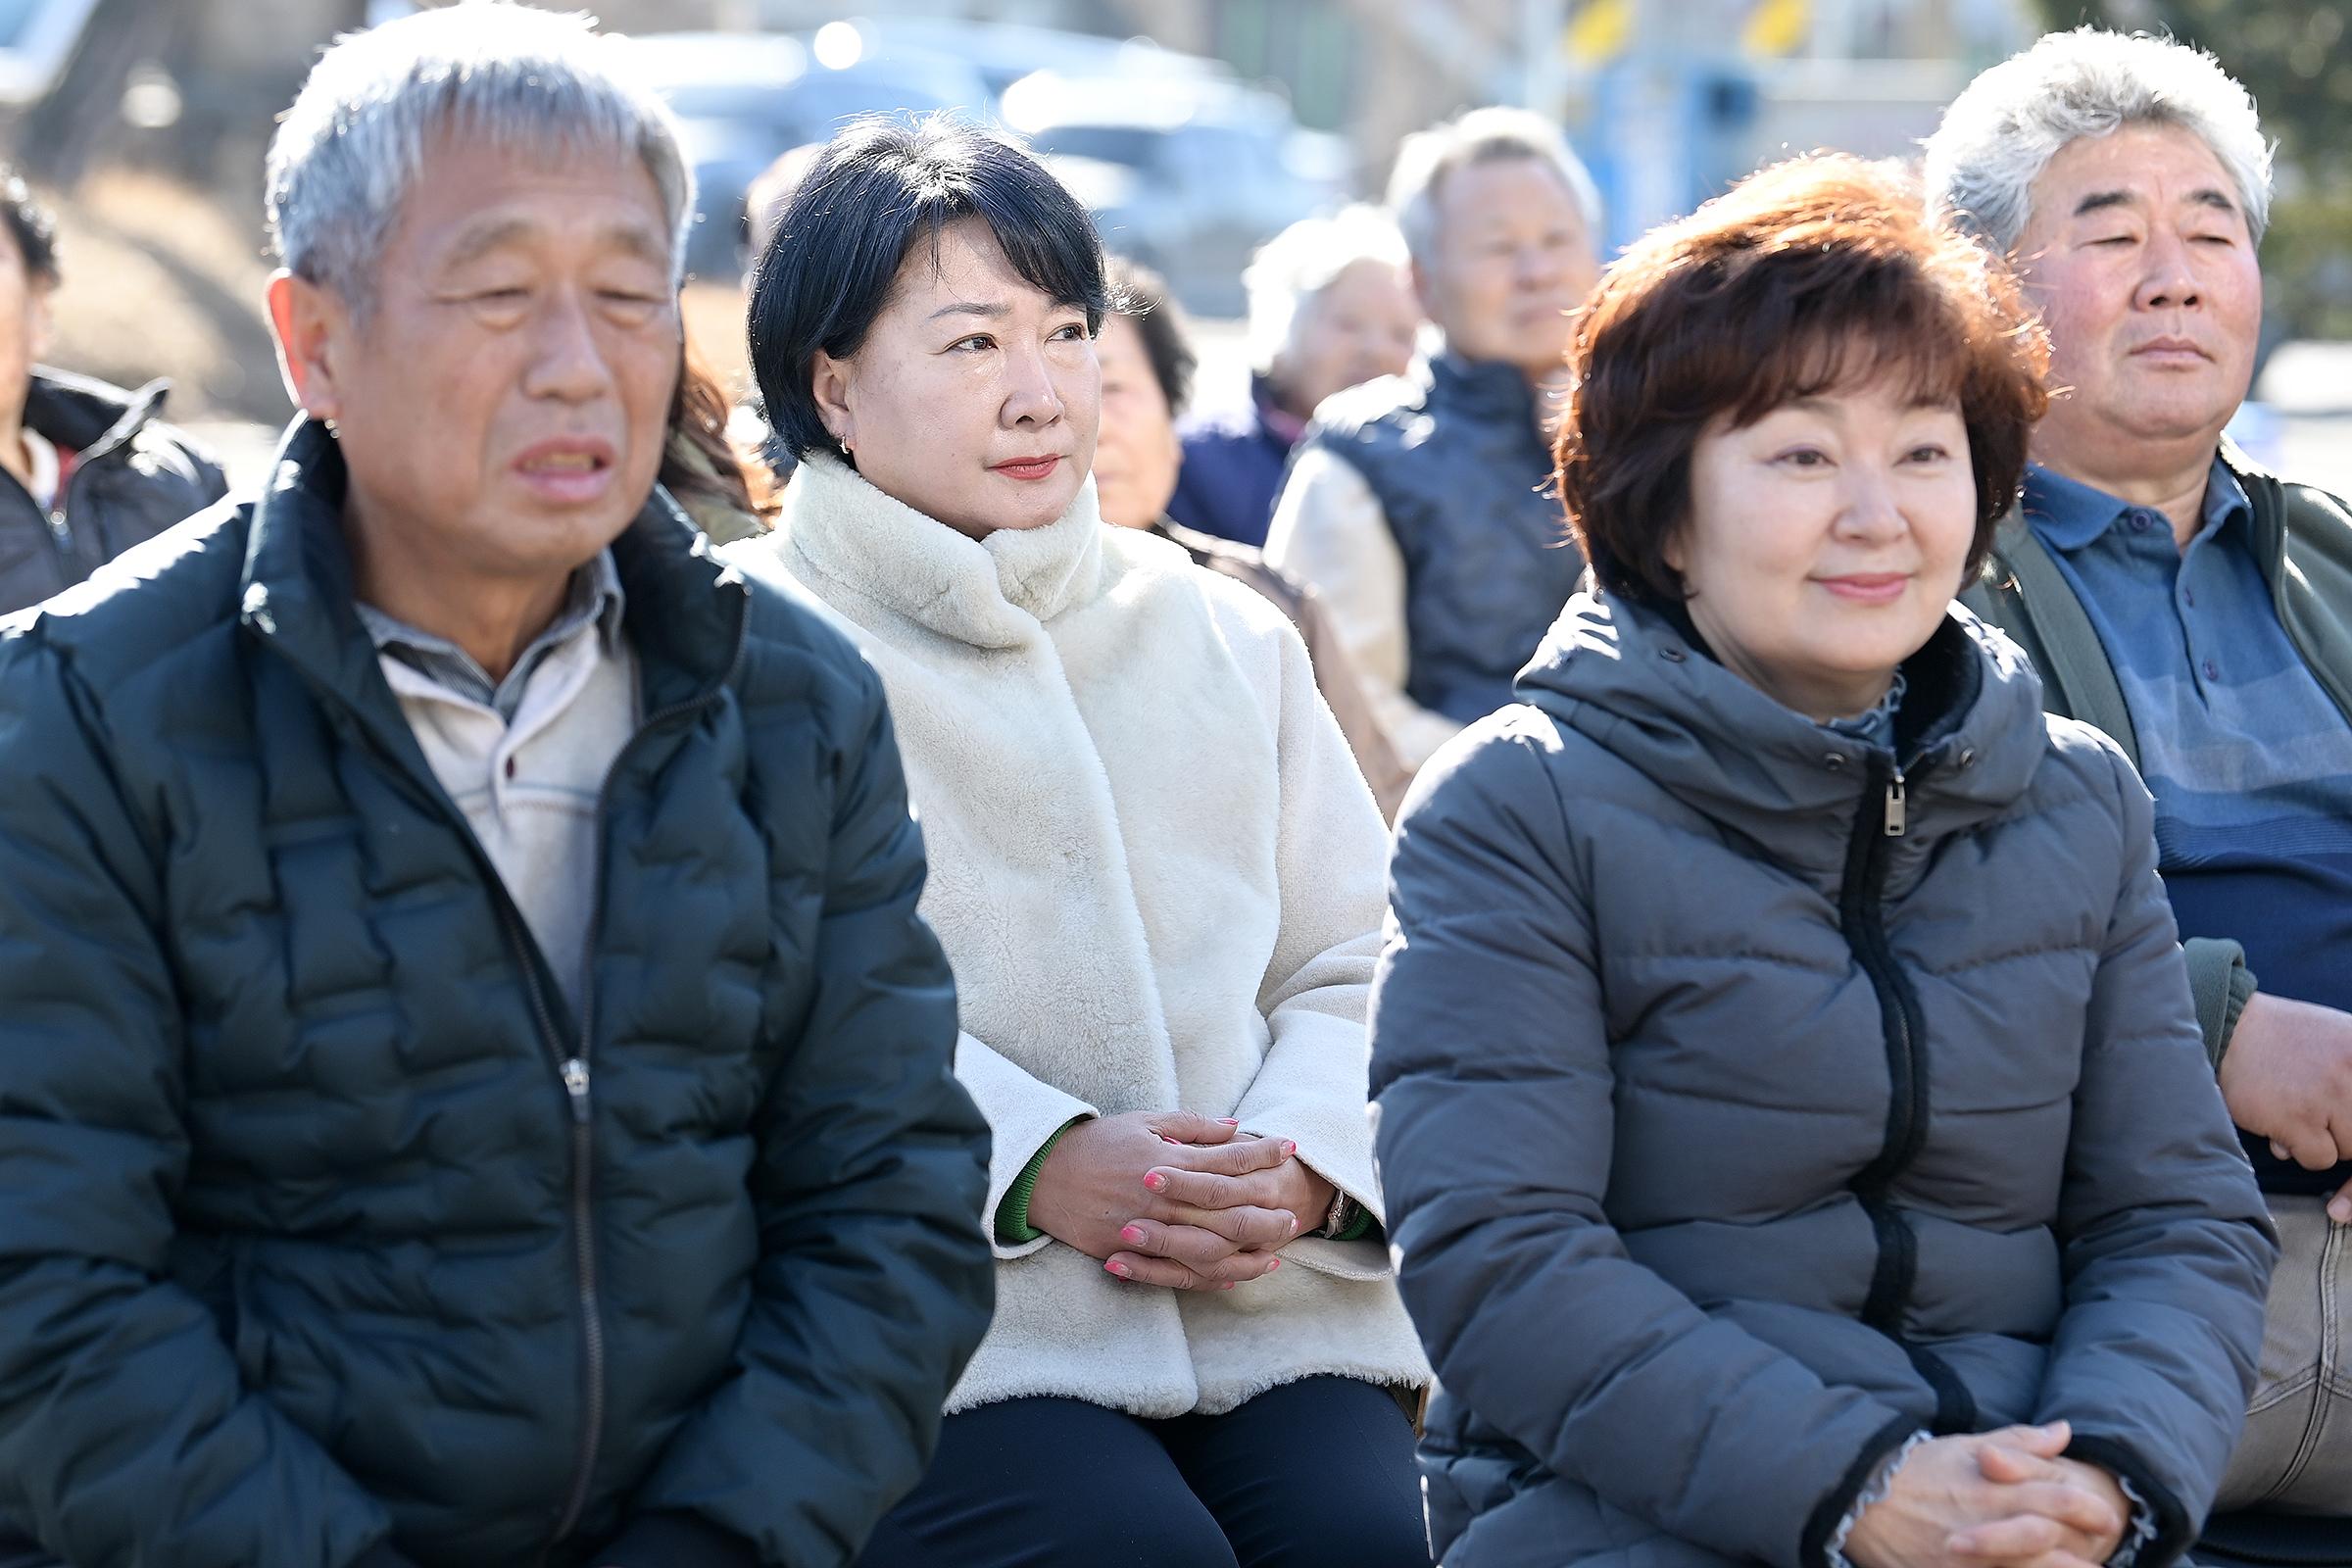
point(1179, 1188)
point(1240, 1157)
point(2008, 1540)
point(1189, 1245)
point(1137, 1269)
point(2070, 1505)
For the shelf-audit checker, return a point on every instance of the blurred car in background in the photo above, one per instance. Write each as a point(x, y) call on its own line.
point(1187, 175)
point(741, 99)
point(1005, 52)
point(35, 37)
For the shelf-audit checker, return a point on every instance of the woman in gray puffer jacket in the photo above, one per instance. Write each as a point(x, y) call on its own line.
point(1794, 1125)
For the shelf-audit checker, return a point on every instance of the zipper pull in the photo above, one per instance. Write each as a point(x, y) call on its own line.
point(575, 1084)
point(1894, 806)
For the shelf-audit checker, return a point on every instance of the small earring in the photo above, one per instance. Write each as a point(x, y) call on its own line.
point(843, 443)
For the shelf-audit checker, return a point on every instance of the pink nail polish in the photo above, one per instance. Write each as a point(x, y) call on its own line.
point(1229, 1121)
point(1288, 1149)
point(1272, 1264)
point(1166, 1139)
point(1154, 1181)
point(1120, 1269)
point(1227, 1286)
point(1131, 1234)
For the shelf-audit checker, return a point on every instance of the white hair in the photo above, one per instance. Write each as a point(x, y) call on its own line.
point(347, 151)
point(2001, 131)
point(1299, 264)
point(1481, 136)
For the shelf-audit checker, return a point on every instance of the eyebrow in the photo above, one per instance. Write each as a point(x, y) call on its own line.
point(971, 308)
point(632, 238)
point(2099, 200)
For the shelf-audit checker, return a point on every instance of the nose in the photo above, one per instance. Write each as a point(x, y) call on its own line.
point(2169, 282)
point(569, 363)
point(1538, 266)
point(1030, 395)
point(1868, 513)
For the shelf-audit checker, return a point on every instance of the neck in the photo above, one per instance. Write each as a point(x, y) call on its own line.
point(2166, 476)
point(1818, 700)
point(493, 618)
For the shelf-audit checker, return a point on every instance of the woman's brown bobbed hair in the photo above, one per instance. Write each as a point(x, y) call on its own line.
point(1814, 274)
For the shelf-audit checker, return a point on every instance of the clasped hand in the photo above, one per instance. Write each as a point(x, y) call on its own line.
point(1175, 1199)
point(1998, 1500)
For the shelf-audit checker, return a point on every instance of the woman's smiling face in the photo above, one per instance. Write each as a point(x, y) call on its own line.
point(975, 397)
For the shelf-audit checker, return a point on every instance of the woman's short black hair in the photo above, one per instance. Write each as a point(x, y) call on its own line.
point(1141, 296)
point(31, 225)
point(881, 185)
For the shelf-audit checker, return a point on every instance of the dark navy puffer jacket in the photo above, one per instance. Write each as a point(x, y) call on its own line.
point(1456, 456)
point(1747, 1105)
point(324, 1221)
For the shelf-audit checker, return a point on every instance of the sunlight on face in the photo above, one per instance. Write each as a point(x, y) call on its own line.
point(1826, 541)
point(1513, 257)
point(974, 397)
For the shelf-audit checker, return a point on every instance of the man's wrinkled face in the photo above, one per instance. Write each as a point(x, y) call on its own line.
point(2139, 255)
point(1512, 257)
point(502, 397)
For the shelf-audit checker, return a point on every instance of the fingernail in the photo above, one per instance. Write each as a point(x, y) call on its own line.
point(1288, 1149)
point(1120, 1269)
point(1166, 1139)
point(1227, 1286)
point(2339, 1209)
point(1154, 1181)
point(1131, 1233)
point(1273, 1263)
point(1229, 1121)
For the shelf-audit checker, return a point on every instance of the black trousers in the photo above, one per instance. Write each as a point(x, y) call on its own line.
point(1314, 1474)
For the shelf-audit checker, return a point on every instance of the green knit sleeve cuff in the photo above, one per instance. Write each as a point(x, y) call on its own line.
point(2221, 984)
point(1013, 1214)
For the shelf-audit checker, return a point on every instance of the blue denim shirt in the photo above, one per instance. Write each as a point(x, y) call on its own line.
point(2249, 757)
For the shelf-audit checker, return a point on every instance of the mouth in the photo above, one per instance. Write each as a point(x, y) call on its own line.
point(2172, 351)
point(1027, 469)
point(568, 469)
point(1868, 587)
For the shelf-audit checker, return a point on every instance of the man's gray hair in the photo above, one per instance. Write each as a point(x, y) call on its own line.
point(1481, 136)
point(510, 74)
point(2004, 129)
point(1299, 264)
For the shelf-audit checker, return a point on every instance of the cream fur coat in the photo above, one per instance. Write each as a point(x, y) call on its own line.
point(1160, 878)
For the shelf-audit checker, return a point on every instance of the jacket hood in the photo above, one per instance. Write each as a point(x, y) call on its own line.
point(82, 413)
point(1969, 734)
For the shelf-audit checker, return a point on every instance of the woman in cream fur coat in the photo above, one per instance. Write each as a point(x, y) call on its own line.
point(1158, 876)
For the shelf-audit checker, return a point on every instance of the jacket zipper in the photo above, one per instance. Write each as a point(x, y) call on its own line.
point(571, 1069)
point(1862, 917)
point(576, 1083)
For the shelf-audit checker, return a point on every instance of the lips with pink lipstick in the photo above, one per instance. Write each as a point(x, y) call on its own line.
point(567, 470)
point(1868, 587)
point(1029, 471)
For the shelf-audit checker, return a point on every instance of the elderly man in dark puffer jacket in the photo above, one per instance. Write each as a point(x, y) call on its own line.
point(475, 1087)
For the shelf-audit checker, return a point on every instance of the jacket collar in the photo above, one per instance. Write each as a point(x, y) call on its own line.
point(87, 416)
point(685, 612)
point(1484, 389)
point(995, 592)
point(1627, 675)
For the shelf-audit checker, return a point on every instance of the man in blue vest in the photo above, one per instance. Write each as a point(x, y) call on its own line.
point(1417, 506)
point(2199, 609)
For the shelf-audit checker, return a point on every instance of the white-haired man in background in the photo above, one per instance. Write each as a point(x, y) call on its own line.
point(2199, 609)
point(1416, 506)
point(475, 1087)
point(1331, 307)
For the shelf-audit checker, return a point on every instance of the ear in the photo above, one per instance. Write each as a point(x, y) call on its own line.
point(829, 382)
point(313, 328)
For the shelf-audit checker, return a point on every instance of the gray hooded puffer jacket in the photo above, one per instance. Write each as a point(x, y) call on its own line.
point(1746, 1103)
